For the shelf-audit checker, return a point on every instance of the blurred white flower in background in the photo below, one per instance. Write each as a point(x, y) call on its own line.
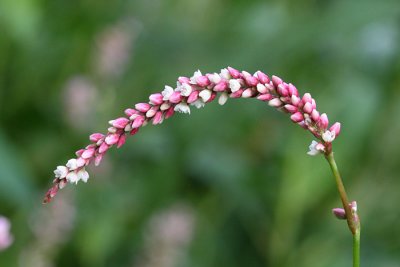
point(168, 236)
point(51, 228)
point(80, 97)
point(113, 48)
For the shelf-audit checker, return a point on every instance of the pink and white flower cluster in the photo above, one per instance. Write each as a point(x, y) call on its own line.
point(197, 91)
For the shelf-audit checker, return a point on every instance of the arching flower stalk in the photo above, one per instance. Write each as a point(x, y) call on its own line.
point(197, 91)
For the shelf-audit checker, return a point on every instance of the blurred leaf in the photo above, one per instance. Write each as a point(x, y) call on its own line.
point(15, 182)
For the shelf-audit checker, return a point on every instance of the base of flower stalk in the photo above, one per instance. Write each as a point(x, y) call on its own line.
point(351, 214)
point(356, 248)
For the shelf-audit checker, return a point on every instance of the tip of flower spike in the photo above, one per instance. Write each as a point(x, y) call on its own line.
point(51, 193)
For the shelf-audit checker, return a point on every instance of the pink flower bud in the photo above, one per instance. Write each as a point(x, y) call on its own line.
point(297, 117)
point(111, 139)
point(80, 162)
point(121, 140)
point(183, 80)
point(270, 87)
point(276, 102)
point(323, 121)
point(98, 159)
point(79, 152)
point(265, 97)
point(262, 77)
point(142, 107)
point(335, 128)
point(307, 108)
point(221, 86)
point(112, 129)
point(202, 81)
point(282, 90)
point(90, 146)
point(169, 112)
point(158, 118)
point(88, 153)
point(291, 108)
point(247, 93)
point(234, 73)
point(138, 122)
point(237, 93)
point(95, 137)
point(175, 97)
point(295, 100)
point(313, 103)
point(306, 98)
point(103, 148)
point(193, 97)
point(315, 115)
point(130, 111)
point(276, 80)
point(251, 80)
point(53, 191)
point(292, 90)
point(134, 131)
point(339, 213)
point(262, 89)
point(120, 123)
point(213, 96)
point(156, 99)
point(214, 78)
point(151, 112)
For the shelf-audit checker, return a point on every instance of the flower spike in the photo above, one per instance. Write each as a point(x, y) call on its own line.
point(197, 91)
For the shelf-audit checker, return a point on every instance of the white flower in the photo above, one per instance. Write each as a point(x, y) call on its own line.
point(196, 74)
point(167, 92)
point(185, 89)
point(223, 98)
point(205, 95)
point(328, 136)
point(72, 164)
point(215, 78)
point(182, 108)
point(72, 177)
point(83, 175)
point(234, 85)
point(61, 172)
point(198, 103)
point(315, 148)
point(225, 74)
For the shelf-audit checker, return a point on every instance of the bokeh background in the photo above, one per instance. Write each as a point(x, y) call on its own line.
point(225, 186)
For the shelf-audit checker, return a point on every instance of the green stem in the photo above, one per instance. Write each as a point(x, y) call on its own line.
point(356, 249)
point(352, 218)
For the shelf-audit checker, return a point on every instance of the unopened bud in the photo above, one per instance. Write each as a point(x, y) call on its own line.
point(339, 213)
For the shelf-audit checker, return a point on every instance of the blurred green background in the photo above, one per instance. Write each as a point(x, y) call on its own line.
point(225, 186)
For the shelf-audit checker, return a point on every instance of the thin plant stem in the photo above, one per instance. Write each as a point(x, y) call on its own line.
point(352, 218)
point(356, 248)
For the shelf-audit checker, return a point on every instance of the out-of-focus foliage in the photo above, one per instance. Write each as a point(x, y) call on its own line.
point(225, 186)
